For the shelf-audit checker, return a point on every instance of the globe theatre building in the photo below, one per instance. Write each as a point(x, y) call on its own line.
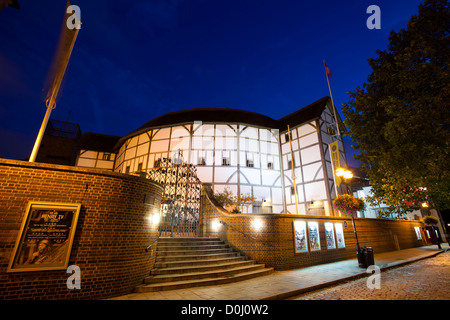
point(276, 161)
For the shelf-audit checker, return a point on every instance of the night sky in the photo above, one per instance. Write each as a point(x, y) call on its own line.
point(136, 60)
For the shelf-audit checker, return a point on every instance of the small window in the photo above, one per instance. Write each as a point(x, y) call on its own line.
point(286, 136)
point(225, 161)
point(201, 161)
point(269, 165)
point(157, 163)
point(139, 167)
point(250, 163)
point(290, 163)
point(106, 156)
point(127, 170)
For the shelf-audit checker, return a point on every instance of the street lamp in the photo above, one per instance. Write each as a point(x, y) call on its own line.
point(346, 174)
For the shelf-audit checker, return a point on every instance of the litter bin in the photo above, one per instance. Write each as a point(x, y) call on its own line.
point(365, 257)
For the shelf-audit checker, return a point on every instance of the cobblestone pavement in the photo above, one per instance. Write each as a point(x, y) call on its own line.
point(427, 279)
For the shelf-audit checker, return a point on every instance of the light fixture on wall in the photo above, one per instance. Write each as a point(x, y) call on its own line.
point(257, 224)
point(156, 218)
point(215, 226)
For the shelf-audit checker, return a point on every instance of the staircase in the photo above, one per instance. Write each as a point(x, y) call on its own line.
point(193, 262)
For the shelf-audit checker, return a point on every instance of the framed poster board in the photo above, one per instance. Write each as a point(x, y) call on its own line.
point(329, 235)
point(300, 238)
point(45, 237)
point(314, 239)
point(339, 235)
point(418, 233)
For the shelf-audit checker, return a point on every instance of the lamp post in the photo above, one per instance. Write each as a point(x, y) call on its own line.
point(347, 174)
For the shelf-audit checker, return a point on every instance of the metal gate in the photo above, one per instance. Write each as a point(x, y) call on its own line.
point(180, 203)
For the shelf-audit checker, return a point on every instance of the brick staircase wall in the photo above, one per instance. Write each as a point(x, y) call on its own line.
point(112, 233)
point(271, 240)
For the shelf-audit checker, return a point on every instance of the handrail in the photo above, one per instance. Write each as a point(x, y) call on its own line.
point(148, 248)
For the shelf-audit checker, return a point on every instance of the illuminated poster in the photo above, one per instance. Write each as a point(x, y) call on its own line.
point(339, 235)
point(301, 244)
point(314, 239)
point(45, 237)
point(418, 233)
point(329, 235)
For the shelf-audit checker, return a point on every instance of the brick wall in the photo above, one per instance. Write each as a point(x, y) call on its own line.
point(112, 233)
point(273, 243)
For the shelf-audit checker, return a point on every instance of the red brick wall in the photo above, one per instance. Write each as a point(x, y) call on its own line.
point(273, 244)
point(112, 233)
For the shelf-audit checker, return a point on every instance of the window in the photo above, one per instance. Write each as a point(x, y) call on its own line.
point(139, 168)
point(250, 163)
point(106, 156)
point(127, 170)
point(286, 137)
point(290, 163)
point(201, 161)
point(269, 165)
point(226, 158)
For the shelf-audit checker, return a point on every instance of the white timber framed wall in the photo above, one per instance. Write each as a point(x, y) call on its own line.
point(313, 172)
point(243, 158)
point(95, 159)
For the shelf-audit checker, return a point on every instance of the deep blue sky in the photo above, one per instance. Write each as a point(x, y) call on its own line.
point(136, 60)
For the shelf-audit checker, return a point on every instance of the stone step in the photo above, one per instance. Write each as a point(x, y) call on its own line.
point(201, 268)
point(164, 248)
point(182, 258)
point(202, 275)
point(193, 252)
point(186, 239)
point(189, 262)
point(202, 282)
point(186, 263)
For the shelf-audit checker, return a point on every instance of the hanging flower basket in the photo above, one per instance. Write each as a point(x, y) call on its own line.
point(348, 204)
point(430, 220)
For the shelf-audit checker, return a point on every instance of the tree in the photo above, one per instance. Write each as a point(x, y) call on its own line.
point(227, 200)
point(399, 119)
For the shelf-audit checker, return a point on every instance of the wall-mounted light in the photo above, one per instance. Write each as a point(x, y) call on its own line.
point(257, 224)
point(215, 225)
point(156, 218)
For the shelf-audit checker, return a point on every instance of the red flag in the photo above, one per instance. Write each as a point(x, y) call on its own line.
point(327, 71)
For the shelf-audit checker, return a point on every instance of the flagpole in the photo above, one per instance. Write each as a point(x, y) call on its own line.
point(293, 169)
point(332, 103)
point(51, 104)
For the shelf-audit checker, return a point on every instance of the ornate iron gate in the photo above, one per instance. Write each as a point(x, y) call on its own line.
point(180, 204)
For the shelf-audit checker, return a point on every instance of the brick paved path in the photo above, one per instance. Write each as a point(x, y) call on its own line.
point(427, 279)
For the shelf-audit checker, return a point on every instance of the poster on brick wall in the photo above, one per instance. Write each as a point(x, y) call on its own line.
point(329, 235)
point(314, 239)
point(45, 238)
point(301, 243)
point(339, 235)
